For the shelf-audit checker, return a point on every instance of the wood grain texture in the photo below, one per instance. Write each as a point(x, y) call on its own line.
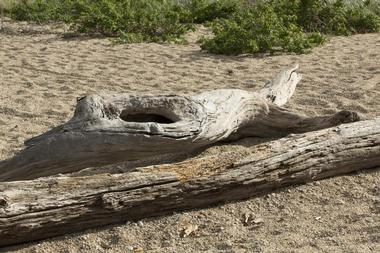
point(46, 207)
point(108, 129)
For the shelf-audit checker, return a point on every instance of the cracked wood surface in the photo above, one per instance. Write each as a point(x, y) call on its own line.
point(46, 207)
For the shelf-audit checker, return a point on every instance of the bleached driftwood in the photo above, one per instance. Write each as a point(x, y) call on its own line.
point(46, 207)
point(107, 129)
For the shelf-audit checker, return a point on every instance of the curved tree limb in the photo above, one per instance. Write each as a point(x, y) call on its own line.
point(107, 129)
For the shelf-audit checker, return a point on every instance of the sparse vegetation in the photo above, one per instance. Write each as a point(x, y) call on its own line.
point(201, 11)
point(238, 26)
point(130, 20)
point(289, 25)
point(259, 29)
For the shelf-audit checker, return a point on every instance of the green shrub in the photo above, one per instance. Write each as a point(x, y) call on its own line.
point(259, 29)
point(288, 25)
point(239, 26)
point(42, 10)
point(131, 20)
point(373, 5)
point(201, 11)
point(337, 17)
point(362, 20)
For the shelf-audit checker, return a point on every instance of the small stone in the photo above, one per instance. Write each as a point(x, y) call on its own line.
point(28, 84)
point(138, 250)
point(339, 201)
point(246, 218)
point(301, 190)
point(188, 230)
point(258, 221)
point(318, 218)
point(166, 243)
point(219, 229)
point(140, 223)
point(105, 245)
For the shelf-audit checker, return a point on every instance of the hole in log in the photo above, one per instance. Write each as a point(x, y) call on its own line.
point(145, 117)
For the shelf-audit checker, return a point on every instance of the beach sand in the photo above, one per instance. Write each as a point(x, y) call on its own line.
point(42, 75)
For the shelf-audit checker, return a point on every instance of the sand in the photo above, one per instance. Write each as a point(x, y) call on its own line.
point(42, 75)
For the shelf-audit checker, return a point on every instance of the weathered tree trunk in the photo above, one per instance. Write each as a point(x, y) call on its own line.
point(46, 207)
point(107, 129)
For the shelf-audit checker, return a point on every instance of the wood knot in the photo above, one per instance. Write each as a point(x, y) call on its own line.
point(3, 202)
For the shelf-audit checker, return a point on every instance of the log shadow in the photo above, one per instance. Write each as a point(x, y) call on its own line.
point(365, 171)
point(133, 166)
point(137, 165)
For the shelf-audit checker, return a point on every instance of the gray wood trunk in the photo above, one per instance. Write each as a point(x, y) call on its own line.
point(51, 206)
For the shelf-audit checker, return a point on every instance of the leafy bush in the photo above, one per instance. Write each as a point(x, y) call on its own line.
point(259, 29)
point(239, 26)
point(201, 11)
point(42, 10)
point(337, 17)
point(131, 20)
point(373, 5)
point(288, 25)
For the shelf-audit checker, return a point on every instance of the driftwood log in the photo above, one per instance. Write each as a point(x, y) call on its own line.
point(107, 129)
point(46, 207)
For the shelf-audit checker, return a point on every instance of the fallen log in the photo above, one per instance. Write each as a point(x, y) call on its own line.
point(107, 129)
point(46, 207)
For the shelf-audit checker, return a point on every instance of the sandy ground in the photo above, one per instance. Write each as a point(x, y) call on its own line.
point(42, 74)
